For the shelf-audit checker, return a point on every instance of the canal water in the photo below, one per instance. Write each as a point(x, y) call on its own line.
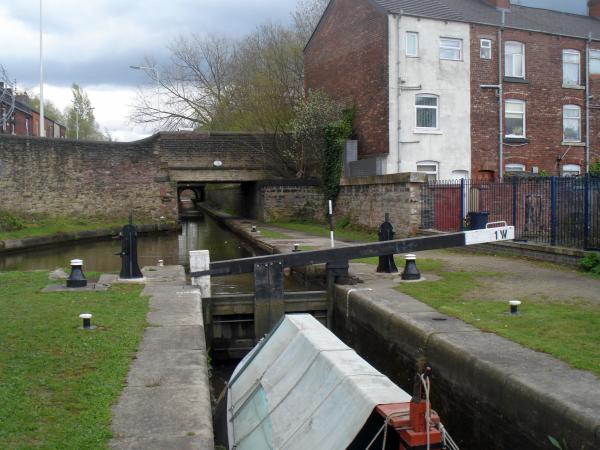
point(202, 233)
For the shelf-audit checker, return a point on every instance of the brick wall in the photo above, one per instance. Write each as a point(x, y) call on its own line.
point(347, 59)
point(363, 200)
point(544, 96)
point(65, 177)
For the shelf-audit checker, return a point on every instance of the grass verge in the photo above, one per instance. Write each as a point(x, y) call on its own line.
point(272, 234)
point(57, 382)
point(348, 233)
point(46, 225)
point(568, 331)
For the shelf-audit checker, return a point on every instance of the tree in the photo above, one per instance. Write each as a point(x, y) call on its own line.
point(306, 18)
point(81, 123)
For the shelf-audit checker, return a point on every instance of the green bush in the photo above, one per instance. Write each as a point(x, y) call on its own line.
point(595, 169)
point(9, 222)
point(591, 263)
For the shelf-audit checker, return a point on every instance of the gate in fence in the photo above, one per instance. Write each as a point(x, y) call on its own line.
point(559, 211)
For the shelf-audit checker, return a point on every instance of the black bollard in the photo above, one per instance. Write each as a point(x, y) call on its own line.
point(514, 307)
point(87, 321)
point(76, 277)
point(410, 269)
point(386, 233)
point(129, 260)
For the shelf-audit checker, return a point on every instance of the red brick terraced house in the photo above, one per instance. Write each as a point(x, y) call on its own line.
point(25, 121)
point(464, 88)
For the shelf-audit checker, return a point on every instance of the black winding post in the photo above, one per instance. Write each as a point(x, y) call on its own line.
point(269, 305)
point(129, 260)
point(386, 233)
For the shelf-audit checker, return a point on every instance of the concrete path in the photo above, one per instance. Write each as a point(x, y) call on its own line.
point(166, 403)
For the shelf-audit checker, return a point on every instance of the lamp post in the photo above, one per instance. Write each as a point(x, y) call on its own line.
point(42, 124)
point(157, 79)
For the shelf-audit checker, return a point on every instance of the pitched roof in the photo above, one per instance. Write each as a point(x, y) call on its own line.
point(476, 11)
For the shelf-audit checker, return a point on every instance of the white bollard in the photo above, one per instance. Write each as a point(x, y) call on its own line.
point(200, 260)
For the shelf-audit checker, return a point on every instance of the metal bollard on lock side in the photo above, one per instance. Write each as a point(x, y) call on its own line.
point(76, 277)
point(386, 233)
point(130, 268)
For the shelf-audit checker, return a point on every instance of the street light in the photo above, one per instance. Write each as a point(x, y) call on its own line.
point(156, 77)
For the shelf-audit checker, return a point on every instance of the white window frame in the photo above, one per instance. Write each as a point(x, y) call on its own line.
point(595, 58)
point(516, 102)
point(512, 168)
point(446, 47)
point(487, 47)
point(437, 111)
point(522, 55)
point(566, 52)
point(435, 173)
point(415, 35)
point(570, 170)
point(572, 108)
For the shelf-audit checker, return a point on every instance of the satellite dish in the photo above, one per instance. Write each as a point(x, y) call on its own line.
point(217, 163)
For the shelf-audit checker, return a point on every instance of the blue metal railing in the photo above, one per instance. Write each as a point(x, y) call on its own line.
point(562, 211)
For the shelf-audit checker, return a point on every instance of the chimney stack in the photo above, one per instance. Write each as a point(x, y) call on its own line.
point(594, 8)
point(503, 4)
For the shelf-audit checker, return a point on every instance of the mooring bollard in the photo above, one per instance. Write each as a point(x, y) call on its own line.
point(199, 261)
point(76, 277)
point(514, 307)
point(161, 263)
point(296, 248)
point(386, 233)
point(87, 321)
point(411, 272)
point(253, 229)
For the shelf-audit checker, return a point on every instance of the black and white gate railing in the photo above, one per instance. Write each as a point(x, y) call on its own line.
point(268, 269)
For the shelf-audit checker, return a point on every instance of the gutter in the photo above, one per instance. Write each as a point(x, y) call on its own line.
point(587, 104)
point(500, 102)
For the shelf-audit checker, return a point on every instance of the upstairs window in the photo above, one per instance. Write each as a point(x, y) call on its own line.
point(412, 44)
point(595, 62)
point(514, 118)
point(571, 123)
point(514, 60)
point(427, 111)
point(485, 49)
point(451, 49)
point(571, 68)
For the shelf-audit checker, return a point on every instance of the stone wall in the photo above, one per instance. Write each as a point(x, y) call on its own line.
point(66, 177)
point(363, 200)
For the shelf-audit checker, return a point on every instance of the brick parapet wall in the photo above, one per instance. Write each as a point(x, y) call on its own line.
point(347, 59)
point(545, 97)
point(66, 177)
point(364, 201)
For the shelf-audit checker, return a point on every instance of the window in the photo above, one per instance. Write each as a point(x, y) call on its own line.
point(428, 167)
point(427, 111)
point(514, 118)
point(595, 62)
point(514, 60)
point(570, 170)
point(514, 168)
point(485, 49)
point(451, 49)
point(571, 68)
point(412, 44)
point(571, 123)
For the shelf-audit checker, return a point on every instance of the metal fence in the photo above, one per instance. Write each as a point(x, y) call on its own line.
point(551, 210)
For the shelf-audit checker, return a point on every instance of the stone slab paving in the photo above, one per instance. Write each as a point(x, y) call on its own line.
point(166, 402)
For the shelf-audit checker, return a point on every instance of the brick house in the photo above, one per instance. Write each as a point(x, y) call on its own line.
point(25, 121)
point(429, 89)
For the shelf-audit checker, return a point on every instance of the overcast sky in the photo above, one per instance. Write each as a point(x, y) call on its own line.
point(93, 43)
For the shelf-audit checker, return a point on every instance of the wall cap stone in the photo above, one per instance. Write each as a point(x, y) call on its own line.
point(406, 177)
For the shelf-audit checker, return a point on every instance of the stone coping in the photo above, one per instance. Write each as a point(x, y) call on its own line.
point(16, 245)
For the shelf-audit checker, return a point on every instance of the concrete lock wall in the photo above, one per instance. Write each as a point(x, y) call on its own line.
point(64, 177)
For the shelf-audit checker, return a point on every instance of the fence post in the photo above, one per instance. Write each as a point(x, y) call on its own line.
point(553, 211)
point(586, 211)
point(514, 208)
point(462, 204)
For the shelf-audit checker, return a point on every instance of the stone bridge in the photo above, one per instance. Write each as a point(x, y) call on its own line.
point(64, 177)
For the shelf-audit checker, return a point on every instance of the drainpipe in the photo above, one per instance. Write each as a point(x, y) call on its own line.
point(500, 102)
point(587, 104)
